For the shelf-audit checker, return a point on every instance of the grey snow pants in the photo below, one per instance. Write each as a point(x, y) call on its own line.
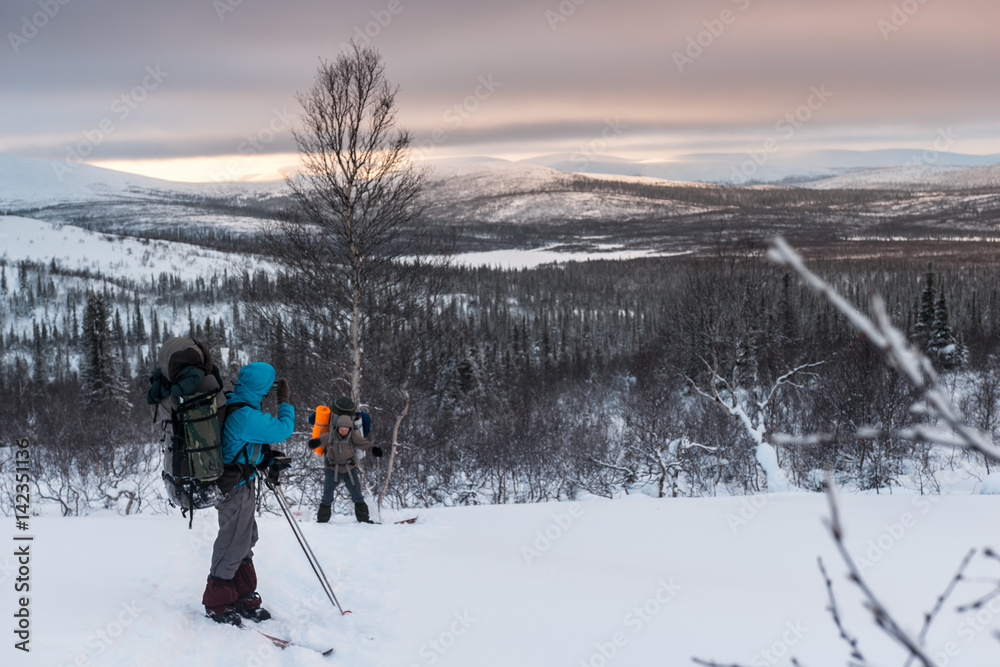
point(237, 531)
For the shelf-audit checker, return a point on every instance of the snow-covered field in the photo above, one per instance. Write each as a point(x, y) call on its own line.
point(529, 259)
point(78, 249)
point(634, 581)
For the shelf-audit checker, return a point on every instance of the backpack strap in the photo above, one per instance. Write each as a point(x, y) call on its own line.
point(230, 408)
point(242, 468)
point(209, 364)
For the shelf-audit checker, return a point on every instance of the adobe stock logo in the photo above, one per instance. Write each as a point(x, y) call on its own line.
point(714, 28)
point(456, 115)
point(30, 26)
point(638, 618)
point(561, 524)
point(613, 128)
point(121, 108)
point(786, 128)
point(566, 9)
point(900, 16)
point(381, 18)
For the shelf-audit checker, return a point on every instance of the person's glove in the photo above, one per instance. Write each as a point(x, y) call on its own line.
point(266, 455)
point(314, 443)
point(284, 391)
point(376, 451)
point(278, 463)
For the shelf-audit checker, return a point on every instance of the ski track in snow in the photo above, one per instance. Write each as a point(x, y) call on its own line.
point(635, 581)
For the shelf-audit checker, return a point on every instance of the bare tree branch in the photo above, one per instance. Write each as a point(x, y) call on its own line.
point(883, 619)
point(851, 641)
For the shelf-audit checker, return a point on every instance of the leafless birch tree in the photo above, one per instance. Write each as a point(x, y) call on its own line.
point(343, 248)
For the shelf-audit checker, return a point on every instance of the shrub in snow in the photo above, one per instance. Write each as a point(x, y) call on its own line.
point(991, 485)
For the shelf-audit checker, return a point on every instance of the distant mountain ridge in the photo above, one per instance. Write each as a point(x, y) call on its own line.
point(31, 182)
point(28, 182)
point(759, 166)
point(495, 204)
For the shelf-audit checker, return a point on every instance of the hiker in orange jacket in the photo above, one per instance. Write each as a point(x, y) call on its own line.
point(337, 447)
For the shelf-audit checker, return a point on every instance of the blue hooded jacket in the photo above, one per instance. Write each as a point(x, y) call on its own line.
point(248, 427)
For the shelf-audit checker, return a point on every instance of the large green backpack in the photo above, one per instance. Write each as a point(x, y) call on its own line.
point(193, 456)
point(188, 386)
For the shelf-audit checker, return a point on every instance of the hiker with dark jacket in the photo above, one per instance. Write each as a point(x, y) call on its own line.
point(337, 447)
point(231, 591)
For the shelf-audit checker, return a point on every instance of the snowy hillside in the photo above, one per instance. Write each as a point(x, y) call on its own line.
point(720, 168)
point(630, 582)
point(499, 191)
point(76, 249)
point(498, 205)
point(528, 189)
point(30, 183)
point(915, 177)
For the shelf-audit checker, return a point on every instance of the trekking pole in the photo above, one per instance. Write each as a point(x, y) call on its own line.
point(310, 556)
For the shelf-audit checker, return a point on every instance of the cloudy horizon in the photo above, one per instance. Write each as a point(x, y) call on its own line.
point(184, 87)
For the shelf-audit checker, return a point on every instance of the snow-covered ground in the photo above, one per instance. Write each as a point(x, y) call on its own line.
point(529, 259)
point(79, 249)
point(634, 581)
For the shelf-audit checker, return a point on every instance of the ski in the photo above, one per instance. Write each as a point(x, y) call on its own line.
point(284, 643)
point(410, 520)
point(278, 641)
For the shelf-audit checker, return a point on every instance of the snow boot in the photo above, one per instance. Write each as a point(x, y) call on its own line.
point(248, 604)
point(220, 599)
point(324, 514)
point(249, 607)
point(361, 512)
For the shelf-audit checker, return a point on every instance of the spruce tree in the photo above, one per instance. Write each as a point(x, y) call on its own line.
point(154, 328)
point(99, 376)
point(940, 328)
point(40, 366)
point(943, 345)
point(925, 315)
point(138, 325)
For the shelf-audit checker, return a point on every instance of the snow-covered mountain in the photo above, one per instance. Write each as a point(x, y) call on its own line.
point(490, 189)
point(914, 177)
point(478, 190)
point(31, 183)
point(487, 190)
point(781, 166)
point(500, 204)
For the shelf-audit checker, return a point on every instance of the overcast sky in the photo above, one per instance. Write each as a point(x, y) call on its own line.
point(129, 81)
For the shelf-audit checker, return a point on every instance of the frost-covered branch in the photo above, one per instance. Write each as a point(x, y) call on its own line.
point(930, 616)
point(835, 613)
point(989, 597)
point(786, 379)
point(629, 474)
point(751, 415)
point(879, 612)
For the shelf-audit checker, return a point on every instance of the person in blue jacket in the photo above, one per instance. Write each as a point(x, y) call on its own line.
point(231, 591)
